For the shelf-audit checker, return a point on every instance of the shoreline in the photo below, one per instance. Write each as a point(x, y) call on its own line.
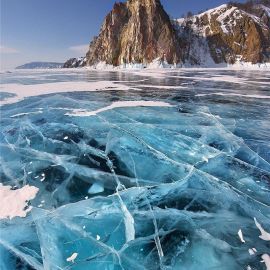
point(153, 66)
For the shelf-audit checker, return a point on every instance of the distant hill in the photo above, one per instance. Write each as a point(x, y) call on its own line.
point(40, 65)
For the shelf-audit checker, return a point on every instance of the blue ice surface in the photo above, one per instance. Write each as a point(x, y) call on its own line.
point(143, 187)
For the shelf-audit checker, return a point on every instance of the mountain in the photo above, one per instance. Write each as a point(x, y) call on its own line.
point(141, 32)
point(40, 65)
point(227, 34)
point(136, 31)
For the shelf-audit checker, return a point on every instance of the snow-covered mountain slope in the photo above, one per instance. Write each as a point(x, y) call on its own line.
point(227, 34)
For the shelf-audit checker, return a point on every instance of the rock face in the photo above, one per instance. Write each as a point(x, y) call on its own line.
point(135, 32)
point(140, 31)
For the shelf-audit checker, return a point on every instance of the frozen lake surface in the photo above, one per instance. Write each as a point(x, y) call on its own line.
point(129, 170)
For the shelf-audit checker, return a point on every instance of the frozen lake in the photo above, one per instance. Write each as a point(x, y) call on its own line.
point(148, 169)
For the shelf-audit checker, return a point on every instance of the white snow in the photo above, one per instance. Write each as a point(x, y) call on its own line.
point(119, 104)
point(207, 63)
point(224, 15)
point(103, 65)
point(264, 234)
point(143, 69)
point(72, 258)
point(43, 177)
point(266, 259)
point(22, 91)
point(14, 202)
point(240, 65)
point(157, 63)
point(222, 11)
point(240, 234)
point(24, 114)
point(213, 10)
point(252, 251)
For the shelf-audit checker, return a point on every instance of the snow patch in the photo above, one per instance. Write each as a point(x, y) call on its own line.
point(266, 259)
point(264, 234)
point(119, 104)
point(213, 10)
point(22, 91)
point(252, 251)
point(221, 18)
point(240, 65)
point(240, 234)
point(72, 258)
point(13, 203)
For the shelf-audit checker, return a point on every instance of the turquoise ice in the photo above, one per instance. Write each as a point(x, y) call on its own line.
point(171, 171)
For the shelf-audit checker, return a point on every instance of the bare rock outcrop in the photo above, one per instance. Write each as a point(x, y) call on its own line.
point(137, 31)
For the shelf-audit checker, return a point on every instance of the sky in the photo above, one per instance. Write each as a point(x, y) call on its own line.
point(56, 30)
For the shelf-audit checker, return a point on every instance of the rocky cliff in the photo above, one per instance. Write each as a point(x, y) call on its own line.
point(136, 31)
point(140, 31)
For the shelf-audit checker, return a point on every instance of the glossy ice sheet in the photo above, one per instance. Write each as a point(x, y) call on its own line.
point(178, 177)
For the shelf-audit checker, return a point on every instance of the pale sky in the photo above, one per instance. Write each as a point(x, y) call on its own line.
point(55, 30)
